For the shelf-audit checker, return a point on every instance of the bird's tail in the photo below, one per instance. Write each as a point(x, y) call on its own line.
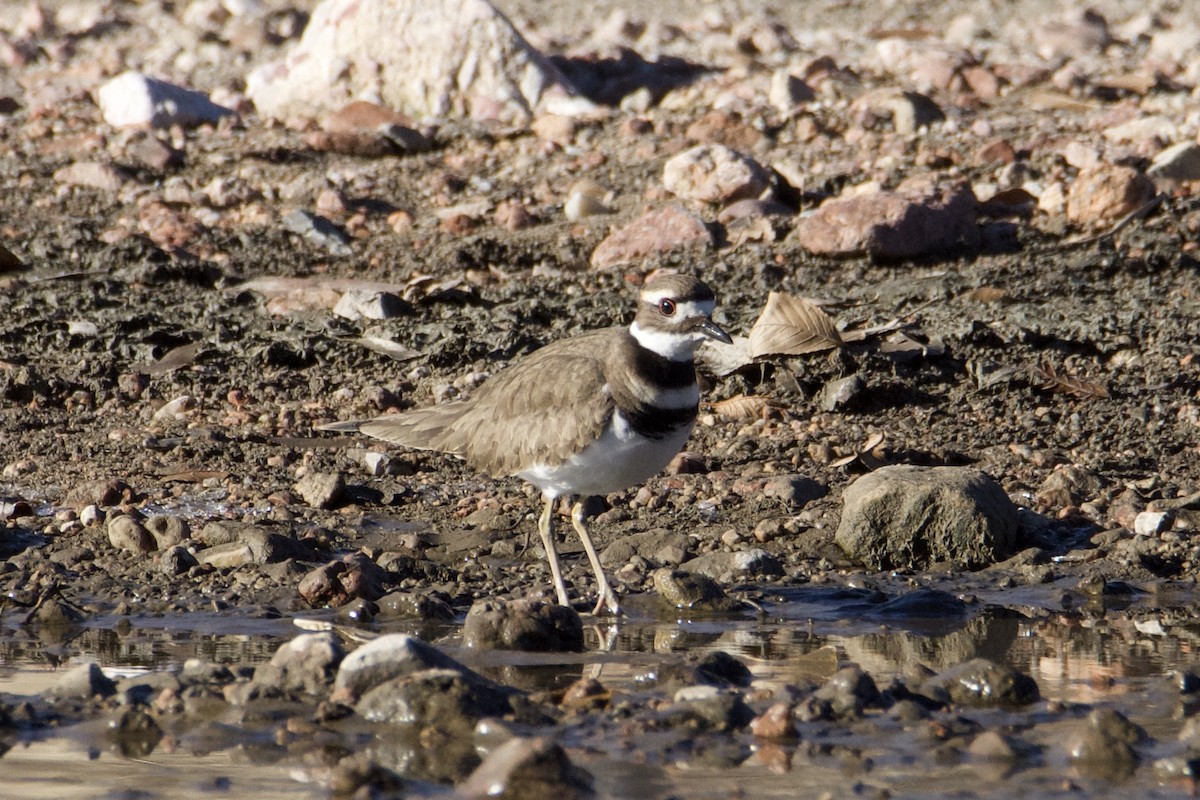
point(420, 429)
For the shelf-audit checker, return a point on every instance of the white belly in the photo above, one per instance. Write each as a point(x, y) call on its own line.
point(617, 460)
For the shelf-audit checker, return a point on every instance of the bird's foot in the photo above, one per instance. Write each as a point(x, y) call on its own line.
point(607, 602)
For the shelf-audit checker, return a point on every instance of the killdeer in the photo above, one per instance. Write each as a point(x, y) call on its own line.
point(584, 416)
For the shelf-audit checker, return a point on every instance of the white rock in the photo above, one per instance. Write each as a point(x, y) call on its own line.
point(136, 99)
point(454, 58)
point(1151, 523)
point(360, 304)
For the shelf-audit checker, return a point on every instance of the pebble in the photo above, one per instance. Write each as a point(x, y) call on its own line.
point(307, 663)
point(417, 54)
point(526, 625)
point(126, 533)
point(983, 683)
point(586, 199)
point(318, 230)
point(907, 223)
point(656, 233)
point(659, 546)
point(85, 681)
point(366, 304)
point(176, 560)
point(1107, 193)
point(1152, 523)
point(776, 724)
point(908, 111)
point(910, 517)
point(453, 700)
point(691, 591)
point(527, 768)
point(1179, 162)
point(1104, 745)
point(321, 489)
point(92, 175)
point(736, 566)
point(390, 656)
point(713, 173)
point(134, 99)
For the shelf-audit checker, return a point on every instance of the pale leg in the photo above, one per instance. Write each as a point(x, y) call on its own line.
point(546, 531)
point(608, 598)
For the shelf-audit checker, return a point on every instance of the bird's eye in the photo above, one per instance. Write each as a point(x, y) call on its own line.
point(667, 307)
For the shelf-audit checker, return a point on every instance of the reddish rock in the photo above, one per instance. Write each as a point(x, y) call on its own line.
point(654, 233)
point(775, 724)
point(889, 225)
point(1107, 193)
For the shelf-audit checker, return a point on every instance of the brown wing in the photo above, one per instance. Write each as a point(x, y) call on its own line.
point(541, 409)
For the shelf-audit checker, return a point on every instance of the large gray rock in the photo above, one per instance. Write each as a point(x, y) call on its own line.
point(451, 58)
point(905, 516)
point(388, 657)
point(529, 769)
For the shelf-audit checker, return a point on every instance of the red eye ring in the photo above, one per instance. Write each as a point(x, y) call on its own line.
point(667, 307)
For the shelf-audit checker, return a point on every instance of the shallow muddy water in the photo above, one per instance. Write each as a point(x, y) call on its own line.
point(1123, 658)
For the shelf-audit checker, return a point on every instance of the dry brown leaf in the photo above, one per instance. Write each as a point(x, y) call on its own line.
point(741, 408)
point(791, 325)
point(1049, 378)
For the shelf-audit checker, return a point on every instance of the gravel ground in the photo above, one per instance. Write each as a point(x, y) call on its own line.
point(167, 342)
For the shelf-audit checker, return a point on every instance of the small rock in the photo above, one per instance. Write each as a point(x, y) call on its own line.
point(528, 625)
point(738, 566)
point(1107, 193)
point(713, 173)
point(907, 517)
point(1104, 747)
point(126, 533)
point(91, 174)
point(176, 560)
point(586, 199)
point(176, 408)
point(906, 223)
point(709, 708)
point(167, 530)
point(796, 491)
point(528, 769)
point(1069, 485)
point(453, 700)
point(321, 489)
point(410, 605)
point(993, 746)
point(1152, 523)
point(908, 111)
point(135, 99)
point(365, 304)
point(691, 591)
point(659, 546)
point(355, 576)
point(85, 681)
point(775, 724)
point(1179, 162)
point(390, 656)
point(985, 683)
point(788, 91)
point(654, 233)
point(318, 230)
point(586, 694)
point(306, 663)
point(848, 692)
point(841, 392)
point(231, 544)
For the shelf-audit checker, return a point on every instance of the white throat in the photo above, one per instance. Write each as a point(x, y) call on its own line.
point(668, 344)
